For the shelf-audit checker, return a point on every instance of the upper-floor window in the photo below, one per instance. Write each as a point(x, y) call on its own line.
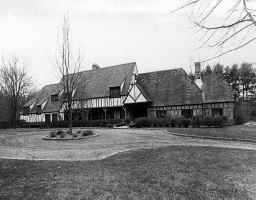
point(38, 109)
point(115, 92)
point(54, 98)
point(26, 110)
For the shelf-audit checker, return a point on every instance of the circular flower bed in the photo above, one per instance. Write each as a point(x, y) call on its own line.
point(68, 135)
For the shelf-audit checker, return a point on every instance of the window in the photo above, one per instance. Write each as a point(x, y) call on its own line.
point(47, 118)
point(54, 117)
point(161, 113)
point(26, 110)
point(54, 98)
point(187, 113)
point(217, 112)
point(115, 92)
point(38, 109)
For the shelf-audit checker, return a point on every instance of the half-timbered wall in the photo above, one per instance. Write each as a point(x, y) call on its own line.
point(200, 109)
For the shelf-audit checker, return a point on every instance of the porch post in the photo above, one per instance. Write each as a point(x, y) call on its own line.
point(105, 113)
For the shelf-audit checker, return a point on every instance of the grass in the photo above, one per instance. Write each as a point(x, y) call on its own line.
point(192, 173)
point(230, 132)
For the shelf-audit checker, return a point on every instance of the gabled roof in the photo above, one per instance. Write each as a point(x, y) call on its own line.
point(169, 87)
point(92, 84)
point(216, 89)
point(96, 83)
point(43, 95)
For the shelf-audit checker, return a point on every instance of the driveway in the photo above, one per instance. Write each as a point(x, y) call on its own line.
point(28, 144)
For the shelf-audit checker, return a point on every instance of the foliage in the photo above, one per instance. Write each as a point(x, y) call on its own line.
point(15, 85)
point(242, 79)
point(52, 134)
point(142, 122)
point(87, 133)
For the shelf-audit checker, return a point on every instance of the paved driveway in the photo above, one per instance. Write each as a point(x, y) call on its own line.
point(29, 144)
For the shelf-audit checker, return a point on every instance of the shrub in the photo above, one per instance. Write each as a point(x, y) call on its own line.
point(219, 121)
point(87, 132)
point(179, 121)
point(196, 121)
point(173, 122)
point(74, 135)
point(207, 121)
point(59, 132)
point(185, 122)
point(239, 119)
point(142, 122)
point(79, 132)
point(52, 134)
point(62, 134)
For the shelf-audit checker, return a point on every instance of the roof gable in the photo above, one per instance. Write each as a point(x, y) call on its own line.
point(170, 87)
point(216, 89)
point(96, 83)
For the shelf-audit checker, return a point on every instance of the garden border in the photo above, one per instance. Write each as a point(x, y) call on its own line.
point(70, 139)
point(213, 138)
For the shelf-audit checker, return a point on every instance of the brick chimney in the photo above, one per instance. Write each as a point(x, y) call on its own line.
point(95, 66)
point(197, 70)
point(198, 80)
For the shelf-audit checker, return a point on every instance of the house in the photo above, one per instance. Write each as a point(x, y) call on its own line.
point(120, 92)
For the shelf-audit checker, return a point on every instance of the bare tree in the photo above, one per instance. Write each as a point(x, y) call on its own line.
point(69, 68)
point(15, 84)
point(226, 25)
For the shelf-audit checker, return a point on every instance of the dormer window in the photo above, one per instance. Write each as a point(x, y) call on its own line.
point(38, 109)
point(26, 110)
point(54, 98)
point(115, 92)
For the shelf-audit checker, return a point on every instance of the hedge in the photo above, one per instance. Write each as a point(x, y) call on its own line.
point(180, 122)
point(64, 124)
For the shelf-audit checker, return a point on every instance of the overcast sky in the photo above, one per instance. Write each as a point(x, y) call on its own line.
point(106, 32)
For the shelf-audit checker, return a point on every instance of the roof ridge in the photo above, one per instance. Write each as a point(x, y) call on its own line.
point(107, 67)
point(164, 70)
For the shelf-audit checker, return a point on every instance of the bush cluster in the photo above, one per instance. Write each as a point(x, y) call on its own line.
point(63, 134)
point(64, 124)
point(87, 133)
point(179, 122)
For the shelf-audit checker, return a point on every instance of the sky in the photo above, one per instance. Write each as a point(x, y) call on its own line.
point(105, 32)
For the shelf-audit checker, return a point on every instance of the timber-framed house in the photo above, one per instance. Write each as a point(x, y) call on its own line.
point(120, 92)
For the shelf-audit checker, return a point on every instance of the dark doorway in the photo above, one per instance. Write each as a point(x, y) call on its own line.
point(137, 110)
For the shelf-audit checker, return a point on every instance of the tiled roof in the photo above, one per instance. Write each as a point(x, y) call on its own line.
point(93, 83)
point(169, 87)
point(216, 89)
point(43, 95)
point(96, 83)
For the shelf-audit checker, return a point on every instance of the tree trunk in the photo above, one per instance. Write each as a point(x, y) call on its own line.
point(70, 118)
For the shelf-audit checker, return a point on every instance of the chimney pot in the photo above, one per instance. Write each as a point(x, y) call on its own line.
point(95, 66)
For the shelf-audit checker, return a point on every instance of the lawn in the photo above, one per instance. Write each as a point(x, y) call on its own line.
point(192, 173)
point(236, 132)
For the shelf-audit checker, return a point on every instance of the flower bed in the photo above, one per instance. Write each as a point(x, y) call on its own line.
point(67, 135)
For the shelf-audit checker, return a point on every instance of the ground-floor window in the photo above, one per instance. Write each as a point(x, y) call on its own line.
point(54, 117)
point(161, 113)
point(217, 112)
point(187, 113)
point(47, 118)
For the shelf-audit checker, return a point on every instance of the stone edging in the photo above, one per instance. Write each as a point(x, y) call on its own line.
point(70, 139)
point(213, 138)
